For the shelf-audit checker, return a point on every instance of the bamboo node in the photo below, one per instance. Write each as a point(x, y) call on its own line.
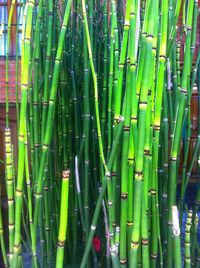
point(124, 196)
point(134, 244)
point(113, 250)
point(61, 244)
point(153, 192)
point(157, 127)
point(66, 174)
point(129, 223)
point(154, 256)
point(139, 175)
point(114, 174)
point(38, 195)
point(93, 227)
point(126, 128)
point(110, 203)
point(145, 242)
point(173, 158)
point(123, 262)
point(146, 152)
point(108, 174)
point(187, 259)
point(163, 58)
point(183, 90)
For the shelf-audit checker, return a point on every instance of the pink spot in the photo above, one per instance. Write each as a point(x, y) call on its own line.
point(97, 243)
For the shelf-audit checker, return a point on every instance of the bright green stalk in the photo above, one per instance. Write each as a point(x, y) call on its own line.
point(131, 153)
point(115, 86)
point(17, 69)
point(63, 219)
point(138, 184)
point(30, 205)
point(2, 241)
point(86, 133)
point(105, 72)
point(124, 45)
point(35, 70)
point(157, 117)
point(124, 171)
point(172, 30)
point(187, 261)
point(10, 192)
point(7, 60)
point(110, 80)
point(178, 123)
point(196, 148)
point(94, 77)
point(21, 136)
point(100, 198)
point(47, 66)
point(50, 115)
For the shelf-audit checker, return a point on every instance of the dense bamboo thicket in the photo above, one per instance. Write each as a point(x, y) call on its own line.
point(103, 116)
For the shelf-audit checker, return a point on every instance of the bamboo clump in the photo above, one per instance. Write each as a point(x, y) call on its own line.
point(103, 114)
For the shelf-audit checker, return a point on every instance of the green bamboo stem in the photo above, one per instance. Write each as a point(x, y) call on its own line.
point(10, 192)
point(187, 259)
point(63, 219)
point(138, 184)
point(176, 234)
point(10, 16)
point(94, 77)
point(21, 137)
point(47, 66)
point(47, 137)
point(30, 205)
point(124, 173)
point(179, 120)
point(35, 69)
point(84, 65)
point(2, 240)
point(100, 198)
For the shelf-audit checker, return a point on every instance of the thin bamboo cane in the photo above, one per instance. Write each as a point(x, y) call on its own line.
point(63, 219)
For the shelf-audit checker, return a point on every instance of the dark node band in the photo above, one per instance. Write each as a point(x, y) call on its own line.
point(134, 243)
point(156, 127)
point(17, 246)
point(66, 174)
point(134, 118)
point(61, 244)
point(126, 128)
point(146, 152)
point(18, 191)
point(114, 224)
point(153, 192)
point(143, 102)
point(145, 242)
point(173, 159)
point(187, 258)
point(124, 196)
point(123, 262)
point(139, 173)
point(129, 223)
point(163, 57)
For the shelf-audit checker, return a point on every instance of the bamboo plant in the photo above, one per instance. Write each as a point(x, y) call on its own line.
point(106, 92)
